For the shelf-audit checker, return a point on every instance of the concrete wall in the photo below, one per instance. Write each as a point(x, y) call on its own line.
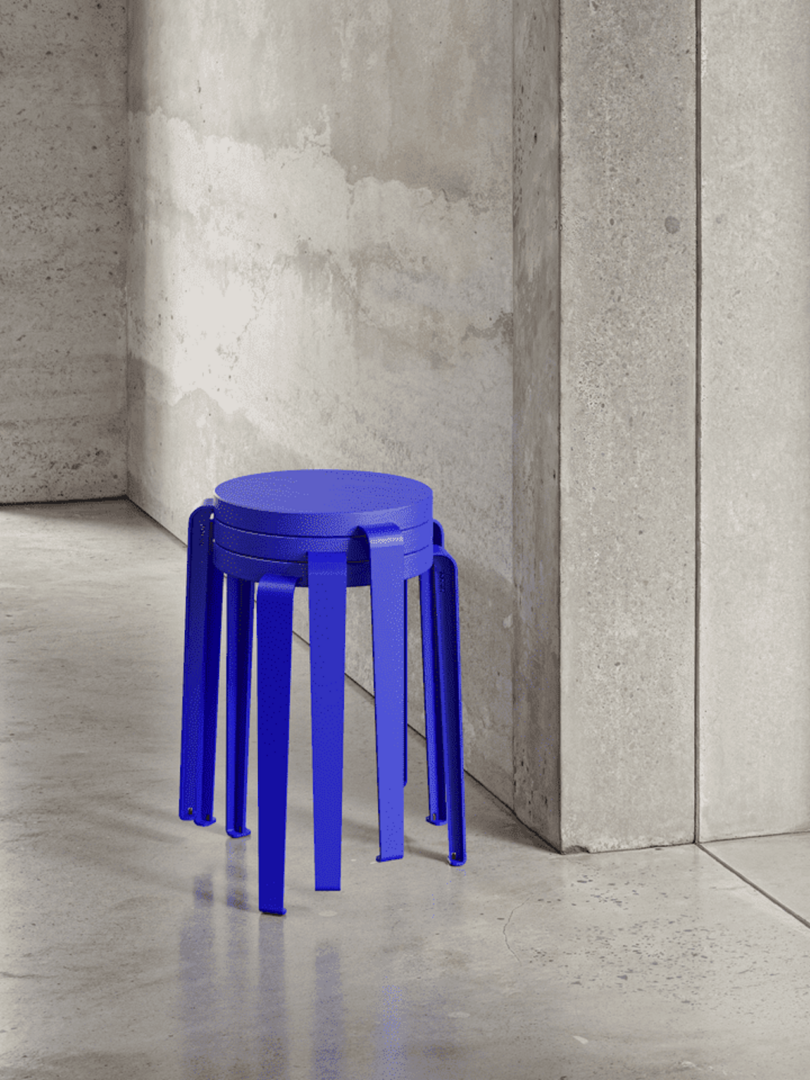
point(754, 691)
point(63, 225)
point(323, 261)
point(320, 275)
point(627, 423)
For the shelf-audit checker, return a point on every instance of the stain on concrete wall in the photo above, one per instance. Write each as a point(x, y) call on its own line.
point(63, 220)
point(755, 434)
point(320, 275)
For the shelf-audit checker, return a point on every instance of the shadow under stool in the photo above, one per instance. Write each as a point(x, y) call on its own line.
point(325, 530)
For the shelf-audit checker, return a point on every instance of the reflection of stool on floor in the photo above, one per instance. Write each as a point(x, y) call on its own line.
point(325, 530)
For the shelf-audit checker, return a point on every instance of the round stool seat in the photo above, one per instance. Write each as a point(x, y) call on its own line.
point(267, 523)
point(321, 502)
point(260, 545)
point(250, 568)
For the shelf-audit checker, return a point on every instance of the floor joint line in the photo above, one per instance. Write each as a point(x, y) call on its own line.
point(758, 888)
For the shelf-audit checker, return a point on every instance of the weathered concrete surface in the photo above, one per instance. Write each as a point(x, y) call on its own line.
point(536, 420)
point(320, 275)
point(63, 223)
point(627, 550)
point(755, 402)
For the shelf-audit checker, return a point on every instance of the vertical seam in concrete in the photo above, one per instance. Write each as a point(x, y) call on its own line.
point(698, 375)
point(559, 522)
point(515, 608)
point(558, 403)
point(127, 242)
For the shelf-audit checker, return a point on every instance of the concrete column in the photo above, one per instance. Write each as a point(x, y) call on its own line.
point(611, 765)
point(754, 692)
point(536, 416)
point(627, 551)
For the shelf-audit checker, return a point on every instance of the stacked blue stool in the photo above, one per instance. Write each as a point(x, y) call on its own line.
point(325, 530)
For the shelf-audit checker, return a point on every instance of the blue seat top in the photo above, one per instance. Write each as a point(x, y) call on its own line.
point(321, 502)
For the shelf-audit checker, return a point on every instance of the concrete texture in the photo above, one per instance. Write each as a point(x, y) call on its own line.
point(320, 276)
point(779, 866)
point(131, 942)
point(536, 417)
point(63, 222)
point(335, 211)
point(754, 689)
point(627, 431)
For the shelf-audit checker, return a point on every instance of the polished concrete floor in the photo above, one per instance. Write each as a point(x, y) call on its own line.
point(131, 942)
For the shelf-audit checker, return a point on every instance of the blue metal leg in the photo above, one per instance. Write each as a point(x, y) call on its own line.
point(405, 682)
point(274, 619)
point(200, 671)
point(449, 677)
point(437, 805)
point(193, 657)
point(327, 630)
point(386, 547)
point(213, 631)
point(240, 653)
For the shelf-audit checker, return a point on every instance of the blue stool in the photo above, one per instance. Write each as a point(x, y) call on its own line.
point(325, 530)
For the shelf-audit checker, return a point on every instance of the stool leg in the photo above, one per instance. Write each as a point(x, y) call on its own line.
point(240, 652)
point(386, 547)
point(437, 806)
point(200, 671)
point(405, 682)
point(449, 677)
point(327, 634)
point(274, 620)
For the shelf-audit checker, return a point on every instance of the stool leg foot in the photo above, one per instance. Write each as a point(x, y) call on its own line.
point(326, 581)
point(449, 672)
point(274, 619)
point(240, 651)
point(200, 672)
point(386, 547)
